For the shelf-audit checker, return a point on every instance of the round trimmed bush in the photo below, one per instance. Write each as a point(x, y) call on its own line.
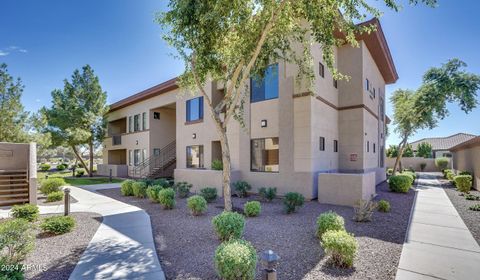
point(197, 204)
point(51, 185)
point(152, 192)
point(252, 208)
point(55, 196)
point(292, 201)
point(166, 198)
point(45, 166)
point(79, 172)
point(383, 206)
point(463, 183)
point(441, 163)
point(61, 167)
point(126, 187)
point(210, 194)
point(17, 240)
point(236, 259)
point(329, 221)
point(340, 246)
point(139, 189)
point(27, 212)
point(58, 224)
point(229, 225)
point(400, 183)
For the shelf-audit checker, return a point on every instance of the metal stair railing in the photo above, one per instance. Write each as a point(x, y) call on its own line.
point(147, 167)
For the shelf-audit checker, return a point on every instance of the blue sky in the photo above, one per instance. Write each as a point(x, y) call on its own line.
point(44, 41)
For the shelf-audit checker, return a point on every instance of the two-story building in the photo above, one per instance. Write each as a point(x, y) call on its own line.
point(326, 142)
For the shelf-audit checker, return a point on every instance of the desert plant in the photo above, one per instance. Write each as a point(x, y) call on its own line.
point(55, 196)
point(139, 189)
point(463, 183)
point(252, 208)
point(161, 182)
point(58, 224)
point(241, 188)
point(292, 201)
point(79, 172)
point(363, 210)
point(45, 166)
point(228, 225)
point(217, 164)
point(441, 163)
point(399, 183)
point(341, 247)
point(51, 185)
point(472, 197)
point(16, 240)
point(383, 206)
point(182, 189)
point(475, 207)
point(267, 194)
point(27, 212)
point(236, 259)
point(197, 204)
point(389, 171)
point(166, 198)
point(210, 194)
point(126, 187)
point(423, 165)
point(329, 221)
point(152, 192)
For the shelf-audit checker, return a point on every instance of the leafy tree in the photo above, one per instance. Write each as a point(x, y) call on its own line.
point(77, 116)
point(13, 118)
point(424, 150)
point(408, 151)
point(423, 108)
point(231, 40)
point(392, 151)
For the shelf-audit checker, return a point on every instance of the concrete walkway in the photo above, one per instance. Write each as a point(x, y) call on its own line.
point(122, 247)
point(438, 244)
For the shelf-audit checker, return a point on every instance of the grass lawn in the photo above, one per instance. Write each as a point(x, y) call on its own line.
point(74, 181)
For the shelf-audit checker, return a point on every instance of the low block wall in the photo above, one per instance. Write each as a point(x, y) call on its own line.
point(117, 170)
point(415, 163)
point(201, 178)
point(345, 188)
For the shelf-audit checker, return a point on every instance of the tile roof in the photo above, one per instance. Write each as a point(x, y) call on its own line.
point(468, 144)
point(444, 143)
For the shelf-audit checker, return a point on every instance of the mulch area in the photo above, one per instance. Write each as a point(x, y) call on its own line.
point(186, 244)
point(469, 217)
point(55, 257)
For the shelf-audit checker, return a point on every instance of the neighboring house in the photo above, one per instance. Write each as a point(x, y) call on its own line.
point(317, 143)
point(466, 157)
point(441, 145)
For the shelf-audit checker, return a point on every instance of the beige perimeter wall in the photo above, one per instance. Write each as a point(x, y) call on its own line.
point(415, 163)
point(469, 160)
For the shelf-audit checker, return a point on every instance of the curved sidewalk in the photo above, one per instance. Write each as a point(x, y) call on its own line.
point(122, 247)
point(438, 243)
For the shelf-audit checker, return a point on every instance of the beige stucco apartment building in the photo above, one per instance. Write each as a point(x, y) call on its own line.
point(326, 143)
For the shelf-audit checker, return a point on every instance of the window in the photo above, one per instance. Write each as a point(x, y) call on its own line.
point(367, 85)
point(130, 157)
point(374, 148)
point(374, 93)
point(266, 88)
point(322, 143)
point(335, 83)
point(195, 156)
point(136, 123)
point(368, 146)
point(264, 155)
point(156, 115)
point(382, 155)
point(136, 157)
point(195, 109)
point(156, 152)
point(382, 109)
point(144, 121)
point(321, 70)
point(130, 124)
point(335, 146)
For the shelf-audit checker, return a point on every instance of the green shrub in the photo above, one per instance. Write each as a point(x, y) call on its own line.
point(28, 212)
point(45, 166)
point(228, 225)
point(252, 208)
point(389, 171)
point(148, 181)
point(210, 194)
point(51, 185)
point(126, 187)
point(152, 192)
point(241, 188)
point(61, 167)
point(329, 221)
point(9, 271)
point(423, 165)
point(363, 210)
point(161, 182)
point(383, 206)
point(475, 207)
point(451, 176)
point(292, 201)
point(79, 172)
point(463, 183)
point(197, 204)
point(58, 224)
point(465, 173)
point(217, 164)
point(448, 173)
point(341, 247)
point(267, 194)
point(16, 240)
point(55, 196)
point(139, 189)
point(472, 197)
point(409, 175)
point(399, 183)
point(236, 259)
point(182, 189)
point(166, 198)
point(441, 163)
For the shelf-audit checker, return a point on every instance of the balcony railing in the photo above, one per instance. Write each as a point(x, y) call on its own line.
point(116, 140)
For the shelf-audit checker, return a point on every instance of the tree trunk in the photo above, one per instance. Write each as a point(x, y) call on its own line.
point(90, 146)
point(80, 159)
point(226, 170)
point(401, 147)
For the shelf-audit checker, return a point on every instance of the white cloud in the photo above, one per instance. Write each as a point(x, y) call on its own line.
point(3, 53)
point(10, 49)
point(23, 50)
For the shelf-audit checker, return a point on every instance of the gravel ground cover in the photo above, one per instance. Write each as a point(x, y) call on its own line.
point(186, 244)
point(469, 217)
point(55, 257)
point(42, 200)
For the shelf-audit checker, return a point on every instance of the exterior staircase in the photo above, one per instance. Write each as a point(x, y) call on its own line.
point(14, 186)
point(158, 166)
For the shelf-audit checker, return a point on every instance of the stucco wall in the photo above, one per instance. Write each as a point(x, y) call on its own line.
point(345, 189)
point(414, 162)
point(468, 160)
point(14, 156)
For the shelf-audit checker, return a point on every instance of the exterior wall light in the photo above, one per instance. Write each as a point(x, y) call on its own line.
point(263, 123)
point(269, 262)
point(194, 136)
